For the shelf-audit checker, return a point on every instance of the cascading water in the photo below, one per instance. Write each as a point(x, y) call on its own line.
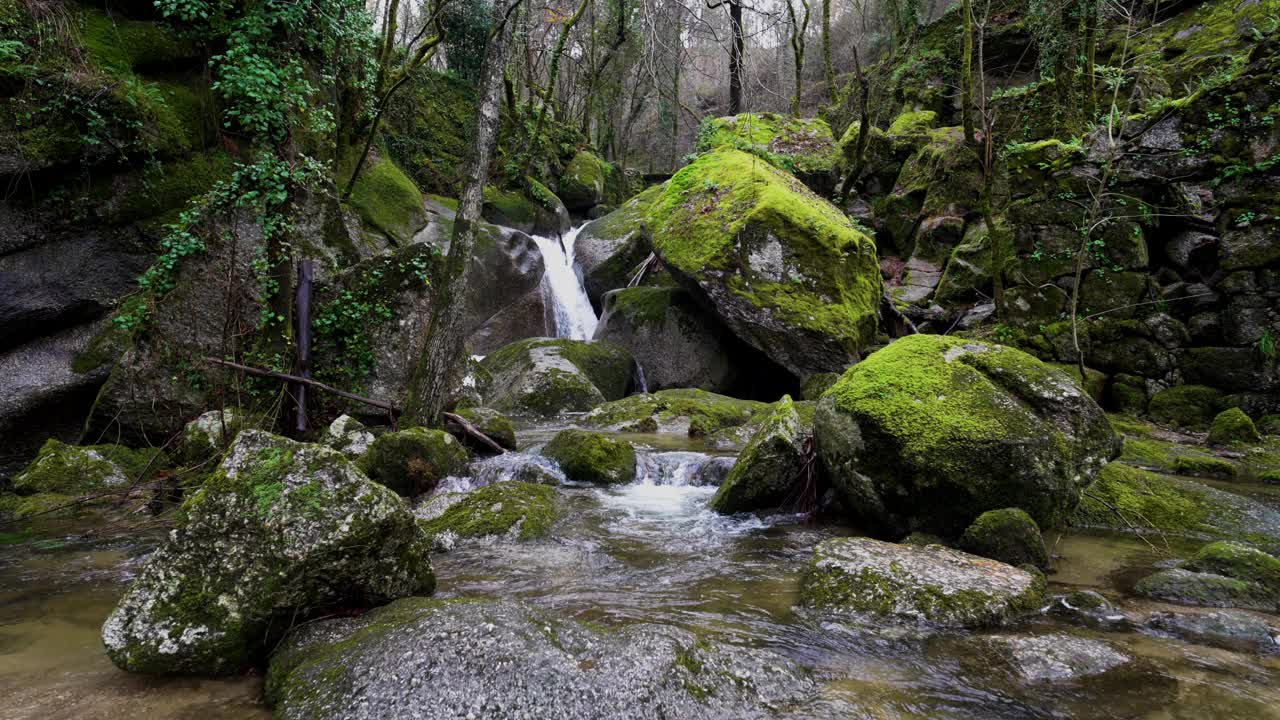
point(575, 318)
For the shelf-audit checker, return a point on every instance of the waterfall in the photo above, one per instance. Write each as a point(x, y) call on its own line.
point(575, 317)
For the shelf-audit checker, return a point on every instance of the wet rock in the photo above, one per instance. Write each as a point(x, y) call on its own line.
point(1191, 406)
point(609, 250)
point(769, 471)
point(932, 431)
point(66, 480)
point(1054, 657)
point(282, 531)
point(1230, 629)
point(1206, 590)
point(783, 269)
point(1238, 561)
point(514, 510)
point(495, 425)
point(485, 659)
point(348, 436)
point(209, 434)
point(1008, 535)
point(547, 376)
point(582, 184)
point(680, 468)
point(930, 584)
point(1232, 426)
point(815, 385)
point(521, 467)
point(1088, 606)
point(692, 412)
point(413, 461)
point(714, 471)
point(592, 457)
point(672, 339)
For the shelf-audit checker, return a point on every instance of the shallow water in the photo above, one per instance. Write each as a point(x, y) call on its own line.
point(651, 552)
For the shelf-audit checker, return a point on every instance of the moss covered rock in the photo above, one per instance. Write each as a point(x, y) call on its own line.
point(592, 457)
point(65, 480)
point(492, 423)
point(784, 269)
point(932, 431)
point(388, 201)
point(610, 248)
point(518, 510)
point(413, 461)
point(348, 436)
point(211, 433)
point(930, 584)
point(582, 184)
point(815, 385)
point(1186, 587)
point(805, 147)
point(281, 532)
point(1231, 427)
point(1008, 535)
point(1239, 561)
point(546, 376)
point(1189, 406)
point(770, 468)
point(692, 412)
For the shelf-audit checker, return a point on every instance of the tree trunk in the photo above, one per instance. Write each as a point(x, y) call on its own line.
point(440, 359)
point(828, 68)
point(735, 58)
point(552, 72)
point(864, 129)
point(966, 74)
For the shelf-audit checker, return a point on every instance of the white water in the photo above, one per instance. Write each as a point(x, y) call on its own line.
point(575, 318)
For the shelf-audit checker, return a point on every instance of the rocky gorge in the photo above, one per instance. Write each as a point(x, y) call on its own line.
point(817, 425)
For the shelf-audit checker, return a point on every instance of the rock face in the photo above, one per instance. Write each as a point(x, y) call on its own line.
point(413, 461)
point(546, 376)
point(672, 339)
point(1008, 535)
point(932, 431)
point(462, 658)
point(805, 147)
point(930, 584)
point(284, 530)
point(592, 457)
point(769, 470)
point(785, 270)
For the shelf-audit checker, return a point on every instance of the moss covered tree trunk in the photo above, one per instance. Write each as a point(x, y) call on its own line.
point(966, 73)
point(440, 359)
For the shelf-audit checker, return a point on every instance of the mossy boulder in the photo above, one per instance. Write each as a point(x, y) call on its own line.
point(1239, 561)
point(687, 411)
point(770, 468)
point(413, 461)
point(1232, 427)
point(921, 584)
point(805, 147)
point(932, 431)
point(515, 209)
point(784, 269)
point(1126, 394)
point(593, 457)
point(547, 376)
point(427, 658)
point(283, 531)
point(1269, 424)
point(210, 434)
point(1008, 535)
point(913, 125)
point(1205, 466)
point(517, 510)
point(388, 201)
point(1186, 587)
point(610, 248)
point(582, 184)
point(348, 436)
point(495, 425)
point(676, 342)
point(1189, 406)
point(65, 480)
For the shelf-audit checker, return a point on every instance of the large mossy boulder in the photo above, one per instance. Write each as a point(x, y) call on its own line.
point(672, 338)
point(770, 468)
point(66, 480)
point(1239, 561)
point(462, 658)
point(692, 412)
point(928, 584)
point(609, 249)
point(1233, 427)
point(582, 184)
point(784, 269)
point(932, 431)
point(592, 457)
point(1189, 406)
point(1008, 535)
point(282, 532)
point(413, 461)
point(514, 509)
point(547, 376)
point(805, 147)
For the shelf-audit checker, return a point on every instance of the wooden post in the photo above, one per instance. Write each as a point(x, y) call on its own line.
point(303, 319)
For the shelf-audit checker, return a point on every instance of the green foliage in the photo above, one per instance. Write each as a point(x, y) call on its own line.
point(466, 33)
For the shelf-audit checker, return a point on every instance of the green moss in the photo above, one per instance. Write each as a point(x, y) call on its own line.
point(767, 472)
point(1231, 427)
point(491, 423)
point(1191, 406)
point(705, 412)
point(592, 457)
point(1206, 590)
point(388, 200)
point(1242, 562)
point(605, 365)
point(69, 469)
point(582, 183)
point(413, 461)
point(714, 212)
point(508, 208)
point(645, 306)
point(1094, 382)
point(1008, 535)
point(815, 385)
point(121, 46)
point(170, 187)
point(913, 124)
point(496, 509)
point(1204, 466)
point(796, 145)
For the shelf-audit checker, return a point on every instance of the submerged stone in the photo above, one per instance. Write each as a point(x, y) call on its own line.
point(932, 431)
point(1231, 629)
point(1054, 657)
point(413, 461)
point(592, 457)
point(769, 471)
point(931, 584)
point(283, 531)
point(500, 659)
point(1186, 587)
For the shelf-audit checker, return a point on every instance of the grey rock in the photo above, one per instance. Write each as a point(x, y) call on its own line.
point(1230, 629)
point(348, 436)
point(1055, 657)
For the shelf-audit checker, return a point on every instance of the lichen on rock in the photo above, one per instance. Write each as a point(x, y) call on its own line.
point(514, 509)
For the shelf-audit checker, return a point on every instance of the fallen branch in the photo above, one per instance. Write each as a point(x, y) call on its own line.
point(305, 381)
point(473, 432)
